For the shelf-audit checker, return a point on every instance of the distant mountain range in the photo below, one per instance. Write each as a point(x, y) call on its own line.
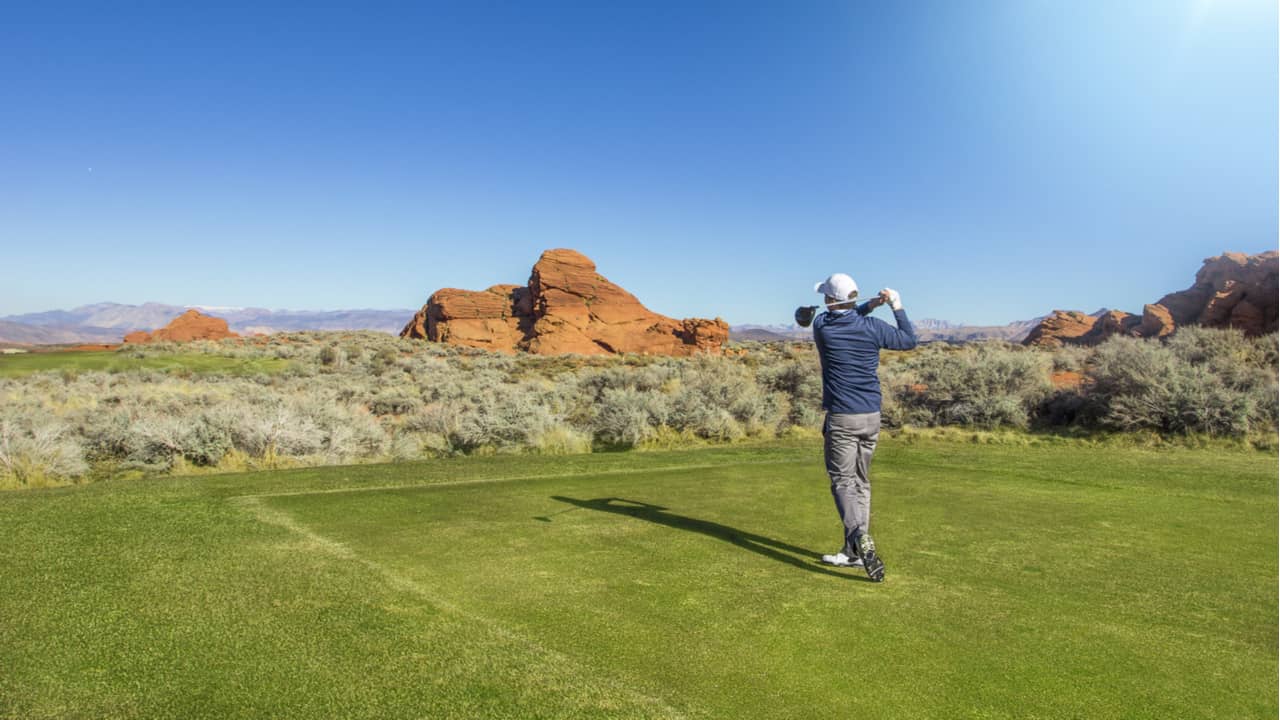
point(12, 333)
point(109, 322)
point(927, 330)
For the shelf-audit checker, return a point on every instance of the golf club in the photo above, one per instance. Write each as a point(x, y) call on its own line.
point(806, 313)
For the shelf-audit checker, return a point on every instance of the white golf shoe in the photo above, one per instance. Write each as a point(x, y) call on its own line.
point(842, 560)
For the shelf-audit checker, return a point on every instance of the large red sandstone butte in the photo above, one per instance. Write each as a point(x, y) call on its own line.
point(1231, 290)
point(190, 325)
point(567, 307)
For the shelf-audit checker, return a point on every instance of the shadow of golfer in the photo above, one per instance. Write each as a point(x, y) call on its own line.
point(758, 544)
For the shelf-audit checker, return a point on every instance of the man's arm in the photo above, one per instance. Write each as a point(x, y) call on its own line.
point(866, 307)
point(819, 342)
point(902, 337)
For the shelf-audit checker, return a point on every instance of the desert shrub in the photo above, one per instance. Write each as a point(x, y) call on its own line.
point(1218, 348)
point(354, 435)
point(799, 382)
point(439, 418)
point(651, 378)
point(394, 401)
point(504, 418)
point(277, 429)
point(433, 445)
point(106, 434)
point(331, 356)
point(720, 400)
point(205, 442)
point(1070, 358)
point(1063, 407)
point(347, 430)
point(986, 385)
point(1201, 381)
point(155, 441)
point(707, 421)
point(38, 453)
point(626, 417)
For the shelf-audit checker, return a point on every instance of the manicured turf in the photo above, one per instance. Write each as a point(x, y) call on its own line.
point(1037, 581)
point(109, 361)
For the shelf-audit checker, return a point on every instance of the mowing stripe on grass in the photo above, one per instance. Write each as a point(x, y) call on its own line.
point(1050, 478)
point(516, 478)
point(1021, 476)
point(272, 516)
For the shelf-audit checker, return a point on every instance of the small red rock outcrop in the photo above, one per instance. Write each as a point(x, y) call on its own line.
point(190, 325)
point(1156, 321)
point(1231, 290)
point(1112, 322)
point(1061, 327)
point(567, 307)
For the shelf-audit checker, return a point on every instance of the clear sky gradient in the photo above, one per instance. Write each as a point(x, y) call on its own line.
point(990, 160)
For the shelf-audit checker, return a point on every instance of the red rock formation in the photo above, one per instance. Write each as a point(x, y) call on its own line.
point(1156, 321)
point(567, 308)
point(191, 325)
point(1112, 322)
point(1060, 328)
point(495, 319)
point(1231, 290)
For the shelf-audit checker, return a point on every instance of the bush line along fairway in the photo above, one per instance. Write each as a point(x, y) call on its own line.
point(328, 398)
point(1024, 581)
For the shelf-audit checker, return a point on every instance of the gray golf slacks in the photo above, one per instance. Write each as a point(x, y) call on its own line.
point(850, 441)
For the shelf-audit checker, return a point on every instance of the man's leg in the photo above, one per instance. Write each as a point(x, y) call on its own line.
point(849, 445)
point(840, 451)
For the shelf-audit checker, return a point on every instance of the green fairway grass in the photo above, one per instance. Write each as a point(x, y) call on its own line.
point(1035, 581)
point(109, 361)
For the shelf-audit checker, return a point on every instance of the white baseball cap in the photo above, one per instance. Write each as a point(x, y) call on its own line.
point(838, 286)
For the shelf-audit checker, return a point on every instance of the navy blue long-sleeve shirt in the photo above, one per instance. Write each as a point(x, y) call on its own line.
point(849, 347)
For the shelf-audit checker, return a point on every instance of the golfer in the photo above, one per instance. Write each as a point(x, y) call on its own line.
point(849, 344)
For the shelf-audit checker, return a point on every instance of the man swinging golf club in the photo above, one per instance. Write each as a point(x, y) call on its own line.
point(849, 345)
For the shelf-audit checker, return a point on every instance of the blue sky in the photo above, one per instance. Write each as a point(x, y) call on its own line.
point(990, 160)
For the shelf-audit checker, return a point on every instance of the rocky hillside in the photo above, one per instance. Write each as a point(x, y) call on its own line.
point(567, 307)
point(1231, 290)
point(191, 325)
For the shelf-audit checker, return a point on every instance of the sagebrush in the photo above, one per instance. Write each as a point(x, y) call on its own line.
point(355, 397)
